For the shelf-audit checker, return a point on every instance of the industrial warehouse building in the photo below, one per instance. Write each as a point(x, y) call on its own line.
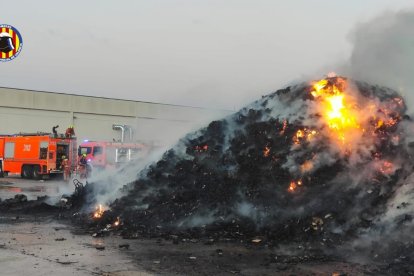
point(26, 111)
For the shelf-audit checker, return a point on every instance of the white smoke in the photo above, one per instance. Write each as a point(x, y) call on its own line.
point(108, 183)
point(383, 53)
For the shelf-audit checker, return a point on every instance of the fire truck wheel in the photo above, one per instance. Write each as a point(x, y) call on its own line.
point(36, 172)
point(27, 171)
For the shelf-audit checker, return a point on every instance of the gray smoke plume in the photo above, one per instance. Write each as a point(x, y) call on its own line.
point(383, 53)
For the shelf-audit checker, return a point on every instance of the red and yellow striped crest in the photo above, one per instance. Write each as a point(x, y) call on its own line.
point(14, 42)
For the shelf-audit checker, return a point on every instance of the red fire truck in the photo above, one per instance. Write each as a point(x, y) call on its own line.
point(104, 155)
point(35, 155)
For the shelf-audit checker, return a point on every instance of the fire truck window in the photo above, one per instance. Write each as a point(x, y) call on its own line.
point(50, 155)
point(135, 154)
point(97, 151)
point(43, 150)
point(86, 150)
point(122, 155)
point(9, 150)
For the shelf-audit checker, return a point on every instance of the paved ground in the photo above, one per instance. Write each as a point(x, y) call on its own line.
point(42, 246)
point(46, 247)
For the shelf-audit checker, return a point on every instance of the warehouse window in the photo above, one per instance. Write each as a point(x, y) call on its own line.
point(9, 150)
point(43, 150)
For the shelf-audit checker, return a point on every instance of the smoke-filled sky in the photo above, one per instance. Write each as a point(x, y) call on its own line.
point(210, 53)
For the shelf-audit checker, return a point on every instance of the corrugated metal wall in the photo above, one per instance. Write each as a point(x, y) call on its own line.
point(93, 117)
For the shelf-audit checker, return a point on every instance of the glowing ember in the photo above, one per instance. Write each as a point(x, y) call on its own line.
point(117, 222)
point(98, 211)
point(266, 151)
point(201, 148)
point(292, 186)
point(387, 167)
point(311, 134)
point(302, 134)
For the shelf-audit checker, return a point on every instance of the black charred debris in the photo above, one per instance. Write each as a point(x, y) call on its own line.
point(20, 205)
point(67, 204)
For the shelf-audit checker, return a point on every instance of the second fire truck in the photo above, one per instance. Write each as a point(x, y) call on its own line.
point(107, 155)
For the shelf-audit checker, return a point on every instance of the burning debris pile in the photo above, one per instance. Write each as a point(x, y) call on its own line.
point(319, 161)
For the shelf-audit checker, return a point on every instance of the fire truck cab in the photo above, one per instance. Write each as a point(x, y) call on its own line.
point(104, 155)
point(35, 155)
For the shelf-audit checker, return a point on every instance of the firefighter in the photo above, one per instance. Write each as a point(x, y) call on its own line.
point(70, 132)
point(82, 166)
point(65, 167)
point(54, 130)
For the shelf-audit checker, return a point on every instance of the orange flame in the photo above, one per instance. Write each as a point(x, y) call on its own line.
point(350, 120)
point(338, 109)
point(99, 211)
point(298, 137)
point(380, 123)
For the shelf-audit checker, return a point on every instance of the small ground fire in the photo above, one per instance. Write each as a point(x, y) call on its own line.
point(99, 211)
